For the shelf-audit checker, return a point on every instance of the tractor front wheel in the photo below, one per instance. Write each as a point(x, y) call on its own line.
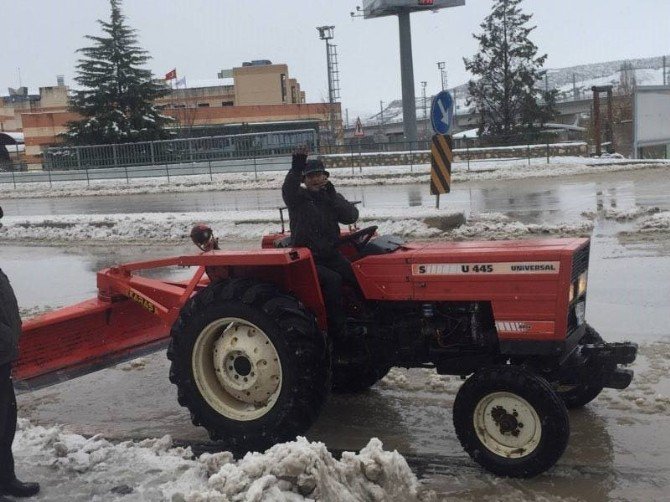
point(511, 421)
point(249, 363)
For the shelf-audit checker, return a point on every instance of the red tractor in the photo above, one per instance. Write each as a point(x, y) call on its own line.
point(253, 363)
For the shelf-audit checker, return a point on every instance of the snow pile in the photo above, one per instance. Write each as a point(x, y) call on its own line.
point(630, 214)
point(154, 469)
point(558, 167)
point(420, 380)
point(308, 470)
point(659, 222)
point(496, 226)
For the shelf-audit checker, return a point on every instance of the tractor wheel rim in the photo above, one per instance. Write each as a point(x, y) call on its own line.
point(237, 369)
point(507, 425)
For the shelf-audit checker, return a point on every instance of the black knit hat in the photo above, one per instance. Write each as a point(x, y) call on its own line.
point(315, 166)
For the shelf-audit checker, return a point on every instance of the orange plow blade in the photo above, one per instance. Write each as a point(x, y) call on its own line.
point(85, 337)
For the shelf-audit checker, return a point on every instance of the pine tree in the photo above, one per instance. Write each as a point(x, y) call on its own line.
point(117, 100)
point(508, 68)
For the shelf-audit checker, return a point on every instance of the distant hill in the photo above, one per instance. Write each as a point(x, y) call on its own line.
point(644, 71)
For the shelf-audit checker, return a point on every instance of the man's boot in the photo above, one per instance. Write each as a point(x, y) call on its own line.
point(17, 488)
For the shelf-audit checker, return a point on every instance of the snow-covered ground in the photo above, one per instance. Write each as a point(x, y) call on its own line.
point(417, 222)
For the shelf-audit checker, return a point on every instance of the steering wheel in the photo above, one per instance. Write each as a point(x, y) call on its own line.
point(359, 238)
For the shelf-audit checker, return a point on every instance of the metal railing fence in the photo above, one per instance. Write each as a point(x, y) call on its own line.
point(257, 161)
point(176, 151)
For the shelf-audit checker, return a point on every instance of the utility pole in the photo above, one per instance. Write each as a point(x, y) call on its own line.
point(665, 82)
point(575, 95)
point(381, 118)
point(425, 113)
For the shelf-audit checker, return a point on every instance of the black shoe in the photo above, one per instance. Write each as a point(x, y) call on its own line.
point(16, 488)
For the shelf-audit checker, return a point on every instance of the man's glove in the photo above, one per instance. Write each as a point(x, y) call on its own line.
point(299, 160)
point(329, 189)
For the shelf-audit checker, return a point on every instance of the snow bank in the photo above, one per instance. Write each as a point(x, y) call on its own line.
point(154, 469)
point(630, 214)
point(418, 223)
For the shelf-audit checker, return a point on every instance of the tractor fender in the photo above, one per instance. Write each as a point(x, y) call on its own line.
point(292, 270)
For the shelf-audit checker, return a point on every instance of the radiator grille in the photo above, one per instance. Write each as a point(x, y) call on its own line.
point(580, 261)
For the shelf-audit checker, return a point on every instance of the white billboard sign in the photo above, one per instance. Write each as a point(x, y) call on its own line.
point(379, 8)
point(651, 116)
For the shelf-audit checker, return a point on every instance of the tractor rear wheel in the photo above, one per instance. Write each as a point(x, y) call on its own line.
point(249, 363)
point(576, 396)
point(511, 421)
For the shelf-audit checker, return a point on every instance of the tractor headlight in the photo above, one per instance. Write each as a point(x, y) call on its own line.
point(581, 284)
point(571, 294)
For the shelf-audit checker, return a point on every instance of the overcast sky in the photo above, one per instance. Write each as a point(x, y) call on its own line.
point(201, 37)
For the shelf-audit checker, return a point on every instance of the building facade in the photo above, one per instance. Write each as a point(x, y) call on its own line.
point(257, 92)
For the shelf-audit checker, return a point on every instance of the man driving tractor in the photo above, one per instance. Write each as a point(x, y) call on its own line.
point(315, 212)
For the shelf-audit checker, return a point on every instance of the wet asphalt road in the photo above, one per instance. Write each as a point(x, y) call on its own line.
point(619, 444)
point(533, 200)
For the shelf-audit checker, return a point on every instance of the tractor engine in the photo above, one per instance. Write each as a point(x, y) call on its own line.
point(416, 333)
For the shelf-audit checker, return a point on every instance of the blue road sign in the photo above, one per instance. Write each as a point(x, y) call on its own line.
point(442, 112)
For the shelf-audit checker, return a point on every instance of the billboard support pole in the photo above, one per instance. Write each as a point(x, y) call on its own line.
point(407, 78)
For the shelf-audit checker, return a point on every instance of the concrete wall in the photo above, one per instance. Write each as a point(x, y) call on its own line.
point(53, 97)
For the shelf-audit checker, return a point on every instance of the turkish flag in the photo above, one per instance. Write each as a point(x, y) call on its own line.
point(172, 74)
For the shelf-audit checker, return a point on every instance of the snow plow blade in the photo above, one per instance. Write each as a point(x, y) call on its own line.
point(83, 338)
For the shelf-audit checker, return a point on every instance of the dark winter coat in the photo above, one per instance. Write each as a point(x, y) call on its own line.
point(315, 216)
point(10, 321)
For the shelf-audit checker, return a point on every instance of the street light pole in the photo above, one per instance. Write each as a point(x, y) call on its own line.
point(327, 33)
point(440, 66)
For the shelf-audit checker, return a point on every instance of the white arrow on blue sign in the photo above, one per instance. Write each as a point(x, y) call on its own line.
point(442, 112)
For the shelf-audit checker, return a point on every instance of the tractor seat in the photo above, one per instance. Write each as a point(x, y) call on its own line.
point(284, 242)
